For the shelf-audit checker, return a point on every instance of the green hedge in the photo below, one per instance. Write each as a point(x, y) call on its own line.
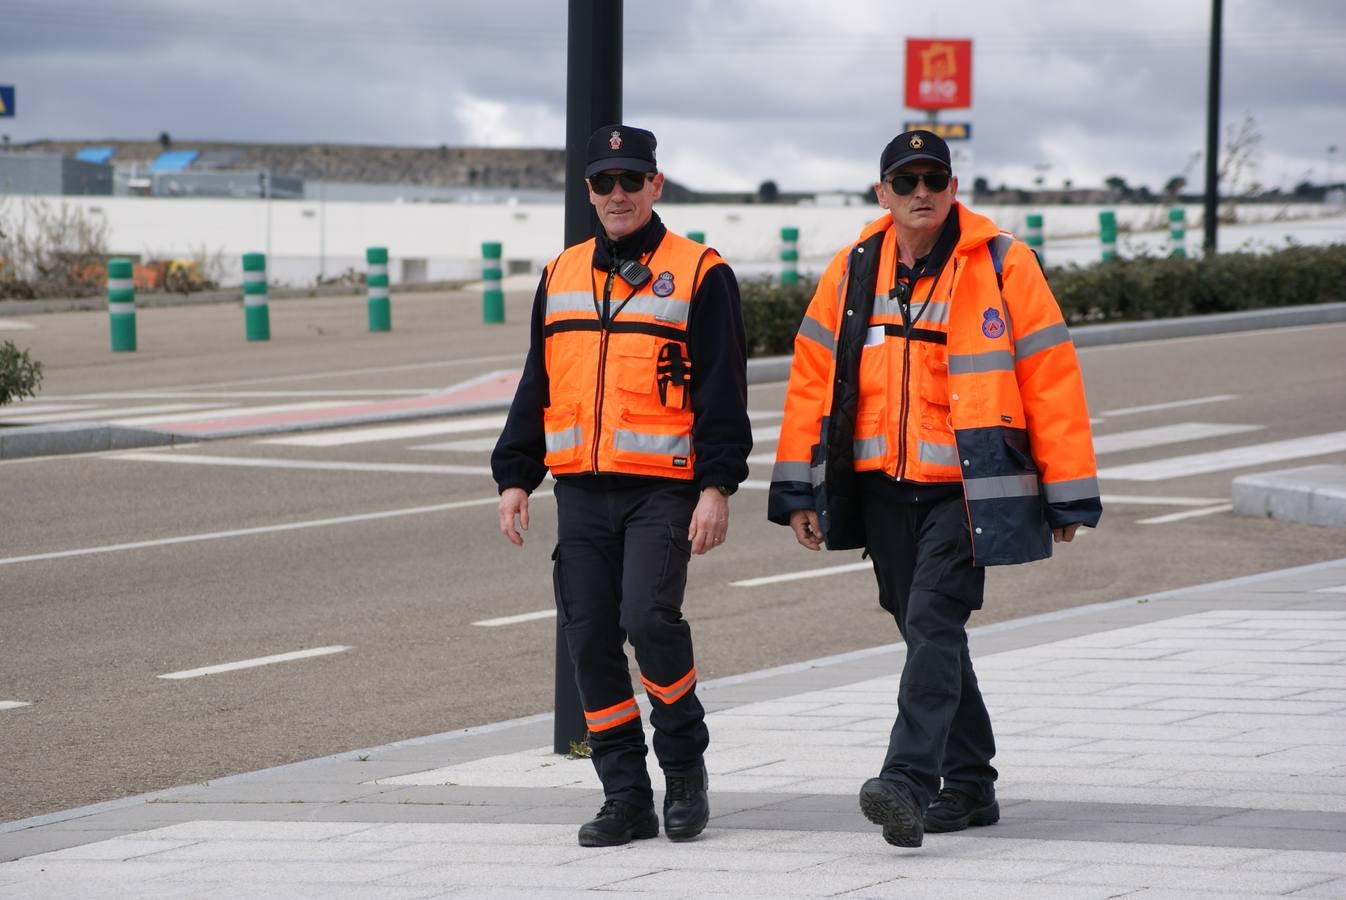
point(1117, 291)
point(20, 375)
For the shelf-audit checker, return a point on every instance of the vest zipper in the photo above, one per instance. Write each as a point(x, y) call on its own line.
point(602, 366)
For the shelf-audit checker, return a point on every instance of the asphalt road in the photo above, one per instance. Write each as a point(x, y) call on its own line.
point(88, 626)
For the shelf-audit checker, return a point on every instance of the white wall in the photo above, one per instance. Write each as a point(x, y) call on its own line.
point(307, 234)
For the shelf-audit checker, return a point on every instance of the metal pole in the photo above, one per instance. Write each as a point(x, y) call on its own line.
point(1212, 213)
point(593, 99)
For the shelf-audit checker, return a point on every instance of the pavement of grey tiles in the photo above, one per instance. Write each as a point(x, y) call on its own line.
point(1185, 744)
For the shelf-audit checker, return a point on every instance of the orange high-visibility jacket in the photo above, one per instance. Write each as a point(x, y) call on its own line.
point(621, 395)
point(984, 387)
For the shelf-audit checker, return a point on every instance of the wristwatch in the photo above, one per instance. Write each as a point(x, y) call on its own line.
point(726, 489)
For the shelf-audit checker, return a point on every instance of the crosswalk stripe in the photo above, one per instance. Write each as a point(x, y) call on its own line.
point(1165, 434)
point(1233, 458)
point(390, 432)
point(110, 415)
point(228, 412)
point(514, 620)
point(806, 573)
point(254, 663)
point(313, 464)
point(13, 704)
point(1174, 404)
point(1186, 514)
point(41, 409)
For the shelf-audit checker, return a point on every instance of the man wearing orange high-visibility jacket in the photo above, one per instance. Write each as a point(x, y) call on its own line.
point(936, 417)
point(634, 395)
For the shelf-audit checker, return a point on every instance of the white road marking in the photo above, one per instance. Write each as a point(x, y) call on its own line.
point(513, 620)
point(13, 704)
point(254, 663)
point(228, 412)
point(1189, 514)
point(1339, 589)
point(313, 464)
point(11, 325)
point(763, 415)
point(755, 485)
point(263, 529)
point(762, 459)
point(1165, 434)
point(468, 445)
point(254, 395)
point(109, 415)
point(1235, 458)
point(807, 573)
point(1142, 500)
point(42, 409)
point(390, 432)
point(1174, 404)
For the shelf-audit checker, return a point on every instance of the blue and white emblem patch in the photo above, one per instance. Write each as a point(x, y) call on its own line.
point(663, 285)
point(992, 325)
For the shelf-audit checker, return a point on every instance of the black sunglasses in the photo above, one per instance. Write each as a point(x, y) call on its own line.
point(631, 182)
point(905, 183)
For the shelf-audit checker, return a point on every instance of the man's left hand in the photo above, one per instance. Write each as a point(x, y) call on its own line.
point(710, 521)
point(1066, 534)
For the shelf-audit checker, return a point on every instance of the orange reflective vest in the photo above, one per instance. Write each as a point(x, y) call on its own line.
point(620, 390)
point(982, 386)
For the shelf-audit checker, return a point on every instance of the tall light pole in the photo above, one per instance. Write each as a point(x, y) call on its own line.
point(1212, 213)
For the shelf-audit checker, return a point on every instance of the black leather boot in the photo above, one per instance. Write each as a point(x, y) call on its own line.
point(893, 805)
point(619, 822)
point(686, 807)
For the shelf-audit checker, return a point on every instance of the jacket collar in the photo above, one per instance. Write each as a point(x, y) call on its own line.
point(633, 246)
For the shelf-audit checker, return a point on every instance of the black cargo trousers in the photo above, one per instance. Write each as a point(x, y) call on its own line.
point(620, 571)
point(921, 548)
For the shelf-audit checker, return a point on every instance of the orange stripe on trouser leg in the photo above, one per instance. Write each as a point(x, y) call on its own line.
point(617, 714)
point(673, 692)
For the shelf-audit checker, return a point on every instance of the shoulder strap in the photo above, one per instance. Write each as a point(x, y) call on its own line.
point(998, 247)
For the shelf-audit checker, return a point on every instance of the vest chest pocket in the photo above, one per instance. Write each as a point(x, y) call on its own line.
point(632, 360)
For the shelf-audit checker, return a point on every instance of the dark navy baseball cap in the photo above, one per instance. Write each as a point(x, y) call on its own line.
point(620, 147)
point(910, 146)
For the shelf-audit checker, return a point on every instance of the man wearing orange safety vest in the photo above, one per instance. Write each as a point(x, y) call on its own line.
point(936, 417)
point(634, 395)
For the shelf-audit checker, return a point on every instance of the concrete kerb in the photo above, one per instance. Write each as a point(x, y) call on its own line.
point(38, 440)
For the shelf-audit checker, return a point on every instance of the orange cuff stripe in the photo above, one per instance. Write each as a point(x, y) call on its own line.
point(673, 692)
point(615, 715)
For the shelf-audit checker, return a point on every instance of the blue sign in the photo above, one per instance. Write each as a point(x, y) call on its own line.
point(6, 100)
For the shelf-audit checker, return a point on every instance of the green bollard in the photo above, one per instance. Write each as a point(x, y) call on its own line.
point(256, 313)
point(698, 236)
point(1033, 237)
point(380, 308)
point(492, 295)
point(1177, 232)
point(1107, 234)
point(789, 255)
point(121, 305)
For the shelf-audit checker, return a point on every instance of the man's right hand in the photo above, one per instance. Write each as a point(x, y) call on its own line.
point(807, 531)
point(513, 505)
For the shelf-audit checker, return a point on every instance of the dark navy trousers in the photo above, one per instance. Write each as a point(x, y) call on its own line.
point(619, 574)
point(919, 543)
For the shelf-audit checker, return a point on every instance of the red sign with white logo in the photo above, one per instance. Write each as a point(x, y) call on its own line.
point(939, 73)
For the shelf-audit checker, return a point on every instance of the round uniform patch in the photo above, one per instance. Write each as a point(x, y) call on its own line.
point(992, 325)
point(663, 285)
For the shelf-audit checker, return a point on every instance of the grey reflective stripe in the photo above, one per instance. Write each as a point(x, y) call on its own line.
point(1068, 491)
point(971, 363)
point(643, 442)
point(886, 306)
point(1041, 340)
point(815, 331)
point(570, 301)
point(790, 471)
point(596, 722)
point(564, 440)
point(937, 313)
point(1003, 486)
point(665, 309)
point(942, 454)
point(870, 448)
point(817, 474)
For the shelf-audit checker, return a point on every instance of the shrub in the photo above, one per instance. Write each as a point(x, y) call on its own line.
point(20, 376)
point(1117, 291)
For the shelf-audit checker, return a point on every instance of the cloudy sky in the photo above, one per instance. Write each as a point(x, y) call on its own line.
point(739, 91)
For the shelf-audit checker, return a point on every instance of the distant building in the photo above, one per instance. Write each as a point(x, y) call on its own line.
point(52, 174)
